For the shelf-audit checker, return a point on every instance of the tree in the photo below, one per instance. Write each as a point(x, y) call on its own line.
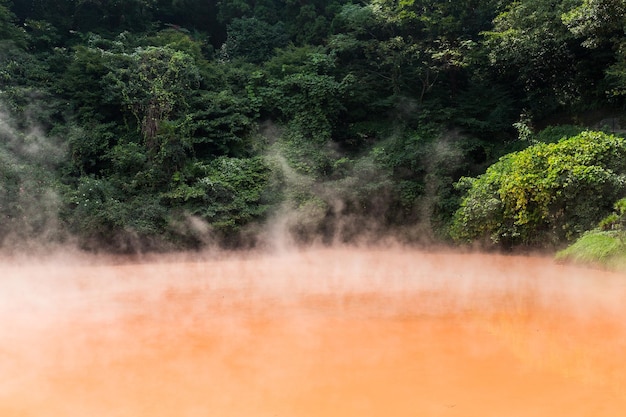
point(531, 48)
point(600, 26)
point(597, 21)
point(253, 40)
point(153, 83)
point(8, 29)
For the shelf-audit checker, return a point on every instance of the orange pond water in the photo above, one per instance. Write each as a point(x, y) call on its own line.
point(341, 332)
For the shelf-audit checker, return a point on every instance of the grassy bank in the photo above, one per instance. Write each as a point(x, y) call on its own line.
point(604, 249)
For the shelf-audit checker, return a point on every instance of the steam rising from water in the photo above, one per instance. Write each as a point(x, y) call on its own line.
point(327, 332)
point(28, 200)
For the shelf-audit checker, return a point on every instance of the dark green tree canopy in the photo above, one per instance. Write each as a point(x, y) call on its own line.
point(184, 121)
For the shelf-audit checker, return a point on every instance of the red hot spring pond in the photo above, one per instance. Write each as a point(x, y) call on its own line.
point(327, 333)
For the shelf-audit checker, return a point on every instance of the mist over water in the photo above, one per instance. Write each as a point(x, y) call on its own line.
point(319, 332)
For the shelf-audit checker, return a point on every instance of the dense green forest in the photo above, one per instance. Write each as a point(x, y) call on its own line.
point(154, 125)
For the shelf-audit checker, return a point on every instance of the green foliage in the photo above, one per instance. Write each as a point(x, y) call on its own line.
point(544, 194)
point(220, 122)
point(616, 74)
point(103, 215)
point(534, 48)
point(434, 19)
point(88, 147)
point(8, 30)
point(26, 87)
point(303, 22)
point(124, 213)
point(42, 34)
point(252, 40)
point(310, 101)
point(553, 134)
point(227, 193)
point(304, 94)
point(153, 84)
point(29, 203)
point(407, 62)
point(599, 25)
point(485, 109)
point(597, 21)
point(232, 9)
point(376, 108)
point(178, 40)
point(615, 221)
point(82, 86)
point(309, 26)
point(29, 184)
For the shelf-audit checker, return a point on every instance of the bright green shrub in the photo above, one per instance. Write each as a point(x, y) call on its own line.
point(544, 194)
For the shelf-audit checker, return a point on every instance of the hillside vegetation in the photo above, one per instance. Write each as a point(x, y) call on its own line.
point(161, 125)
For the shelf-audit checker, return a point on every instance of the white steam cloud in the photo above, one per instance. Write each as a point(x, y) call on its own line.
point(29, 202)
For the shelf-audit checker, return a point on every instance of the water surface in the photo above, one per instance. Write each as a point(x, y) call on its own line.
point(325, 333)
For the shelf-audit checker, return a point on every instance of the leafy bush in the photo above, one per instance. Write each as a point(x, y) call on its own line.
point(102, 215)
point(544, 194)
point(227, 193)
